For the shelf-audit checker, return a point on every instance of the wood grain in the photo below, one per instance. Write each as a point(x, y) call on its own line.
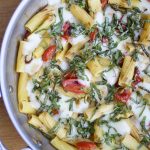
point(8, 133)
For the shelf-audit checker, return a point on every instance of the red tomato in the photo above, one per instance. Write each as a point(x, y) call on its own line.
point(70, 75)
point(93, 35)
point(104, 3)
point(123, 95)
point(84, 145)
point(66, 27)
point(66, 37)
point(73, 85)
point(49, 53)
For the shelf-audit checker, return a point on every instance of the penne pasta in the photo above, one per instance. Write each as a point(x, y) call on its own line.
point(20, 58)
point(94, 113)
point(26, 108)
point(125, 3)
point(75, 49)
point(22, 83)
point(132, 144)
point(127, 71)
point(38, 52)
point(34, 120)
point(50, 123)
point(145, 36)
point(98, 133)
point(147, 98)
point(94, 6)
point(61, 145)
point(97, 65)
point(38, 19)
point(85, 18)
point(134, 131)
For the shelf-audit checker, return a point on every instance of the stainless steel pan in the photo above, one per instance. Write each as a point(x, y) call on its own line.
point(14, 33)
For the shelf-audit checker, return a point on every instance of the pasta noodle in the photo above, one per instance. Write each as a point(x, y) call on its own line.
point(85, 18)
point(35, 22)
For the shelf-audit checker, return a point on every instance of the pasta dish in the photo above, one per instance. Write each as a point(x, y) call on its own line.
point(84, 74)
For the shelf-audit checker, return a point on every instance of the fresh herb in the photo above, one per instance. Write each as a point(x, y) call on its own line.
point(84, 128)
point(70, 101)
point(117, 57)
point(111, 92)
point(120, 111)
point(81, 3)
point(77, 29)
point(78, 65)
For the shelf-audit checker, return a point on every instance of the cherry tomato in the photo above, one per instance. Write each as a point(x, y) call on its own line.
point(66, 37)
point(73, 85)
point(66, 27)
point(84, 145)
point(104, 3)
point(123, 95)
point(93, 35)
point(49, 53)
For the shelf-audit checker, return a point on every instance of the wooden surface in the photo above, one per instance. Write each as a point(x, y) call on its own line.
point(8, 134)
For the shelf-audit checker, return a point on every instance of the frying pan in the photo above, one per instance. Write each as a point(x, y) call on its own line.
point(9, 77)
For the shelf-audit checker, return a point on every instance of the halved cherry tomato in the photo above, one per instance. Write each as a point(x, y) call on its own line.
point(123, 95)
point(49, 53)
point(70, 75)
point(66, 37)
point(104, 3)
point(73, 85)
point(66, 27)
point(85, 145)
point(93, 35)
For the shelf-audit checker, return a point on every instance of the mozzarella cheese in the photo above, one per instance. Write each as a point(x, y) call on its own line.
point(109, 13)
point(64, 65)
point(54, 2)
point(87, 79)
point(32, 42)
point(34, 66)
point(99, 18)
point(76, 40)
point(112, 75)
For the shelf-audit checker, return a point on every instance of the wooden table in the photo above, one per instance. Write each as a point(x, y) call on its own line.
point(8, 134)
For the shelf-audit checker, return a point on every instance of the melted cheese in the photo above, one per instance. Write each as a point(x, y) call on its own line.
point(112, 75)
point(121, 126)
point(87, 79)
point(54, 2)
point(34, 66)
point(32, 43)
point(81, 107)
point(109, 13)
point(99, 18)
point(122, 45)
point(137, 109)
point(68, 16)
point(64, 65)
point(145, 6)
point(76, 40)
